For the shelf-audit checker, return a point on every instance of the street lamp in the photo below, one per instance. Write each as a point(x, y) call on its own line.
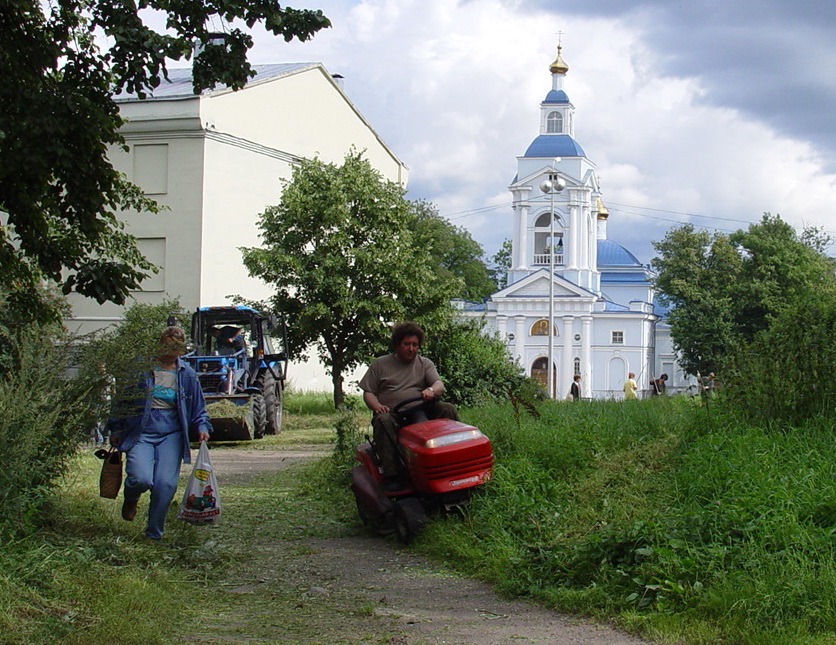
point(554, 184)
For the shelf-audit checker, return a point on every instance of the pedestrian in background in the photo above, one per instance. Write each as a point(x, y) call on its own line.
point(575, 391)
point(657, 386)
point(630, 387)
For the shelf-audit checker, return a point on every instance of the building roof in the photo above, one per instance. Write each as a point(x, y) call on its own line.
point(179, 83)
point(611, 254)
point(556, 96)
point(611, 306)
point(632, 277)
point(554, 145)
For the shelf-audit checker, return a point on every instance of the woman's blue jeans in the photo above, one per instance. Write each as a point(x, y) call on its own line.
point(154, 464)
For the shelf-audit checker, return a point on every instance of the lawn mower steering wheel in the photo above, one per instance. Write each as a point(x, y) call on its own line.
point(404, 415)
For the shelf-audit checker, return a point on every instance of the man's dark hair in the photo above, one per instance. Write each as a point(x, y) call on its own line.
point(404, 329)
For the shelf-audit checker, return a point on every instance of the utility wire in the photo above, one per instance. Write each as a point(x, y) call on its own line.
point(478, 211)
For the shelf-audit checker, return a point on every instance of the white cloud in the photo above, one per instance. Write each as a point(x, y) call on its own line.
point(454, 88)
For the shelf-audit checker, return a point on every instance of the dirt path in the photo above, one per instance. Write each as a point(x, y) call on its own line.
point(363, 589)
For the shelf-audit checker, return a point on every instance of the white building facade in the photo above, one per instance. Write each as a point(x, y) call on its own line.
point(603, 319)
point(215, 161)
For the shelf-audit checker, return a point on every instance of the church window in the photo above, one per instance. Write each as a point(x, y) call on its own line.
point(577, 366)
point(543, 244)
point(543, 221)
point(618, 338)
point(554, 123)
point(541, 328)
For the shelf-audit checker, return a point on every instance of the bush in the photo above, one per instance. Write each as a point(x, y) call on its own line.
point(45, 415)
point(474, 366)
point(785, 375)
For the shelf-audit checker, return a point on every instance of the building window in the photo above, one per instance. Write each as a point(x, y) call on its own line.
point(577, 366)
point(543, 242)
point(541, 328)
point(554, 123)
point(618, 338)
point(151, 168)
point(153, 248)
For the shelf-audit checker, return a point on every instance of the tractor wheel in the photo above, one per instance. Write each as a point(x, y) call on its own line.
point(365, 517)
point(272, 393)
point(259, 415)
point(410, 518)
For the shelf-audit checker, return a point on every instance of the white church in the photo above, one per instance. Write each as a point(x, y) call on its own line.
point(604, 319)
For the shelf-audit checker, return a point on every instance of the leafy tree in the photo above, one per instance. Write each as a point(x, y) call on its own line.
point(725, 289)
point(125, 350)
point(58, 190)
point(501, 265)
point(475, 367)
point(456, 255)
point(339, 250)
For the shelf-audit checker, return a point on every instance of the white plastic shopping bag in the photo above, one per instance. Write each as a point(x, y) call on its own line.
point(201, 502)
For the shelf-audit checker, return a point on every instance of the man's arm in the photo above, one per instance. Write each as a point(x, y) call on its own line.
point(433, 391)
point(373, 404)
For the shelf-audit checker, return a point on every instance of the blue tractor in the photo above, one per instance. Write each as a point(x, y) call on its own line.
point(240, 356)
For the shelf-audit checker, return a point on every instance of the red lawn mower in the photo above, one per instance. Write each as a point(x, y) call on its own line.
point(442, 462)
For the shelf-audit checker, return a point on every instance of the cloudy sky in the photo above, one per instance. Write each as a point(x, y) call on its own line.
point(705, 111)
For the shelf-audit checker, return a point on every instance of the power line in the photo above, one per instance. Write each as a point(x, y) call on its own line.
point(662, 210)
point(478, 211)
point(475, 211)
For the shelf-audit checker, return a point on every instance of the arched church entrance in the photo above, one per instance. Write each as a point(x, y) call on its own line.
point(539, 371)
point(617, 376)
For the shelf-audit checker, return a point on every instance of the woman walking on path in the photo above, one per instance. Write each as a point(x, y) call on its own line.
point(153, 430)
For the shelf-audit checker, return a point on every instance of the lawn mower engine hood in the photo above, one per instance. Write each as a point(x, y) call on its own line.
point(444, 456)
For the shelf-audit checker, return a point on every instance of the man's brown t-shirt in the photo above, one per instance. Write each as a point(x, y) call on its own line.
point(392, 381)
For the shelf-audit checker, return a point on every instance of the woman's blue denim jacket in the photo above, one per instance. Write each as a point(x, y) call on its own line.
point(191, 408)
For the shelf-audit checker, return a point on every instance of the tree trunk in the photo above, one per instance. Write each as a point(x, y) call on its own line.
point(337, 382)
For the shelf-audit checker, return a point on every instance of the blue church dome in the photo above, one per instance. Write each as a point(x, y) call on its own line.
point(611, 254)
point(556, 96)
point(554, 145)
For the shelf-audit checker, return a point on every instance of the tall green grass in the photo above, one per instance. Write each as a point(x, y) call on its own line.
point(85, 576)
point(678, 523)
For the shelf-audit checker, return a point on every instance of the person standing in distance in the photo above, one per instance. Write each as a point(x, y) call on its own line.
point(575, 390)
point(630, 387)
point(396, 377)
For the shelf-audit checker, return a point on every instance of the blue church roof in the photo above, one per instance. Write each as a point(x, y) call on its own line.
point(554, 145)
point(631, 277)
point(611, 254)
point(556, 96)
point(609, 306)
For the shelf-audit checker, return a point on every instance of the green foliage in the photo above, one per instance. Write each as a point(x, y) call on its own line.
point(726, 289)
point(501, 264)
point(340, 254)
point(455, 256)
point(124, 351)
point(58, 188)
point(44, 416)
point(678, 523)
point(36, 308)
point(785, 375)
point(474, 367)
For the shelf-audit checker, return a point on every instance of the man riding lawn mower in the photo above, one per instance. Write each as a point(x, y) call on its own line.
point(421, 458)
